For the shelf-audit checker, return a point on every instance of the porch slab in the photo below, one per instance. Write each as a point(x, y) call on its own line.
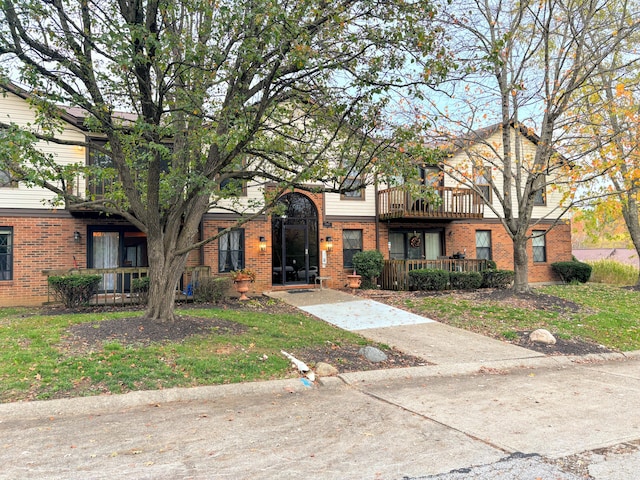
point(363, 315)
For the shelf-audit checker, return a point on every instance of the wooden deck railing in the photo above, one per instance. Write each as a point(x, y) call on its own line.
point(116, 286)
point(395, 273)
point(396, 203)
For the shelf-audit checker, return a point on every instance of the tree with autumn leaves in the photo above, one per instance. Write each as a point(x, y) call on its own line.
point(193, 98)
point(610, 110)
point(522, 67)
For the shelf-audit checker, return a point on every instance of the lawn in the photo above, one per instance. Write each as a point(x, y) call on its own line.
point(40, 358)
point(603, 314)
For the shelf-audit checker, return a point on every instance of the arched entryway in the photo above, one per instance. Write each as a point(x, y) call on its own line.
point(294, 234)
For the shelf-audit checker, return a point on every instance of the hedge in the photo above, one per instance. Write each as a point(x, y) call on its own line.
point(572, 271)
point(465, 280)
point(429, 279)
point(74, 290)
point(212, 289)
point(497, 278)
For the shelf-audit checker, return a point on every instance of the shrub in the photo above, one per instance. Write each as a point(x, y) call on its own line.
point(429, 279)
point(140, 287)
point(497, 278)
point(212, 289)
point(465, 280)
point(74, 290)
point(571, 271)
point(369, 265)
point(491, 265)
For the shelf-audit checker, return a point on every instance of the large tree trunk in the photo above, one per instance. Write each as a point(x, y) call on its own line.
point(165, 271)
point(520, 265)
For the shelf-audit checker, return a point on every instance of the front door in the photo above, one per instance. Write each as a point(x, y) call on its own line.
point(295, 242)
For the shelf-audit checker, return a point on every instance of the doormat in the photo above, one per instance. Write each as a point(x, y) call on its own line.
point(306, 290)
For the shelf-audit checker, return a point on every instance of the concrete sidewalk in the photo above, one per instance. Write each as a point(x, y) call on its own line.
point(487, 410)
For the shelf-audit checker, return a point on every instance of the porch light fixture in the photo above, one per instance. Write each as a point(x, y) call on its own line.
point(329, 244)
point(263, 244)
point(76, 237)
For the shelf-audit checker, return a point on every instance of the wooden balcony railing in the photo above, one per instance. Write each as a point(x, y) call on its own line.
point(396, 203)
point(117, 283)
point(395, 273)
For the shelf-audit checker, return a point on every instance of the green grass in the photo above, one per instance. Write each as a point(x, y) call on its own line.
point(612, 272)
point(609, 315)
point(36, 362)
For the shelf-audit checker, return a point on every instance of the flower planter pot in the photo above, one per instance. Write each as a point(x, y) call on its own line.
point(242, 287)
point(354, 282)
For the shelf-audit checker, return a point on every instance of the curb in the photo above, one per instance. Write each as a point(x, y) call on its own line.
point(112, 403)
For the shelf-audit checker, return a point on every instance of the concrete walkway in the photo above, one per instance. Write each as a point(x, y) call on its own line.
point(485, 411)
point(438, 343)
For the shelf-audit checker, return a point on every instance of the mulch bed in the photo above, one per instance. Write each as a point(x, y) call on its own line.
point(141, 331)
point(527, 301)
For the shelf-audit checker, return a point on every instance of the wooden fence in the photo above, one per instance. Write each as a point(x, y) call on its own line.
point(395, 273)
point(117, 286)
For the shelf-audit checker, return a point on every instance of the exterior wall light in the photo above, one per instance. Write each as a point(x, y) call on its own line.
point(329, 244)
point(262, 245)
point(76, 237)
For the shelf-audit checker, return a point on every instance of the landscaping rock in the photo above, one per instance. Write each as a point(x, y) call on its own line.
point(542, 336)
point(325, 370)
point(373, 354)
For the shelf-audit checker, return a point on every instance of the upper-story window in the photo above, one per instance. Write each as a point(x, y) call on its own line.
point(355, 187)
point(96, 184)
point(540, 195)
point(482, 181)
point(231, 185)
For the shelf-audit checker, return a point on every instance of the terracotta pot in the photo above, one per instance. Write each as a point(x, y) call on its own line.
point(242, 287)
point(354, 281)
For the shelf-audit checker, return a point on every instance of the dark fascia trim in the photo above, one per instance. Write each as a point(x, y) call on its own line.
point(495, 221)
point(33, 212)
point(230, 217)
point(350, 219)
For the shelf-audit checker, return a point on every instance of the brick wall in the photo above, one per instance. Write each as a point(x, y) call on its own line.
point(40, 243)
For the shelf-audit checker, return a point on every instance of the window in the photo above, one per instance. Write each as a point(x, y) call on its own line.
point(483, 244)
point(482, 181)
point(353, 182)
point(231, 251)
point(540, 196)
point(352, 244)
point(6, 253)
point(98, 183)
point(539, 246)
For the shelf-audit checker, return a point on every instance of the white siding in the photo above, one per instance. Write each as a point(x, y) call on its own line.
point(486, 149)
point(16, 110)
point(336, 205)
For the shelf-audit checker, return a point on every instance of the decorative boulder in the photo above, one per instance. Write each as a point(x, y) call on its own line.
point(542, 336)
point(373, 354)
point(325, 370)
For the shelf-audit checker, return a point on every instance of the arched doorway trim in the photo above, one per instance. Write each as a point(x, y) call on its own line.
point(294, 234)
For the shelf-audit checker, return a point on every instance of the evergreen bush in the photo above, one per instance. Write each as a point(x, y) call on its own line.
point(368, 264)
point(74, 290)
point(572, 271)
point(429, 279)
point(465, 280)
point(140, 288)
point(497, 278)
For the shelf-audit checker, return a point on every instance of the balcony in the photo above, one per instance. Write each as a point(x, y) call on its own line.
point(395, 203)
